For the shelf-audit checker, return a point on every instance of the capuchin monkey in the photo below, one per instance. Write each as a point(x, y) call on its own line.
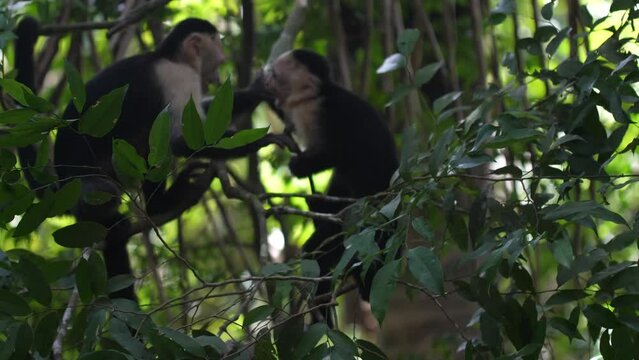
point(182, 66)
point(339, 131)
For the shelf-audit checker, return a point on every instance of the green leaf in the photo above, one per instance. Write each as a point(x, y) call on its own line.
point(192, 128)
point(104, 355)
point(508, 169)
point(129, 166)
point(609, 272)
point(119, 282)
point(585, 17)
point(601, 316)
point(547, 10)
point(22, 338)
point(76, 86)
point(45, 333)
point(423, 229)
point(98, 274)
point(574, 211)
point(512, 137)
point(621, 241)
point(369, 351)
point(241, 138)
point(122, 335)
point(25, 96)
point(545, 33)
point(211, 341)
point(258, 314)
point(308, 341)
point(343, 343)
point(186, 342)
point(34, 280)
point(13, 304)
point(619, 5)
point(364, 245)
point(565, 296)
point(442, 102)
point(388, 210)
point(16, 116)
point(96, 198)
point(382, 289)
point(159, 137)
point(400, 92)
point(406, 41)
point(553, 45)
point(81, 234)
point(391, 63)
point(530, 45)
point(66, 198)
point(562, 251)
point(346, 258)
point(426, 268)
point(102, 116)
point(83, 281)
point(218, 117)
point(34, 216)
point(425, 74)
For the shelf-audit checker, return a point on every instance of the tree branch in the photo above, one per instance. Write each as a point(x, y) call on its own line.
point(114, 26)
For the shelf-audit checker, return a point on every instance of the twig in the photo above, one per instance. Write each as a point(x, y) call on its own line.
point(326, 198)
point(114, 26)
point(229, 228)
point(153, 265)
point(287, 210)
point(56, 348)
point(435, 299)
point(255, 204)
point(293, 25)
point(335, 13)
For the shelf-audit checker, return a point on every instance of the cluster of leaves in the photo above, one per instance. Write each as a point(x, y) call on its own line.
point(30, 318)
point(573, 134)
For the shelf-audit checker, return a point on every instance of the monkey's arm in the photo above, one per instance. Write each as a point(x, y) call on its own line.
point(187, 189)
point(310, 162)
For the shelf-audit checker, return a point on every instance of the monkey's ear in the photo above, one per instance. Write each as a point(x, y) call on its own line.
point(192, 46)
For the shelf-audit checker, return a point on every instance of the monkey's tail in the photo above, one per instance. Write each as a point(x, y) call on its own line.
point(27, 36)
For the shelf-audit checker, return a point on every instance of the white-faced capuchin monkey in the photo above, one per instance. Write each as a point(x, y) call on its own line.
point(182, 66)
point(338, 131)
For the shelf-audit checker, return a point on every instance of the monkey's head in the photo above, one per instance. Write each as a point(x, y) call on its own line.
point(297, 74)
point(197, 43)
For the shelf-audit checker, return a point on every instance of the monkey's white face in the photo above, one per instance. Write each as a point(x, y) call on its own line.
point(204, 52)
point(212, 57)
point(284, 76)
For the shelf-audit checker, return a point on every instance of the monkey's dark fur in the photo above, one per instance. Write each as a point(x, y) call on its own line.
point(350, 137)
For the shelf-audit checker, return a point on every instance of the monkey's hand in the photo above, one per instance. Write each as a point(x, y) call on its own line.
point(310, 162)
point(284, 141)
point(298, 167)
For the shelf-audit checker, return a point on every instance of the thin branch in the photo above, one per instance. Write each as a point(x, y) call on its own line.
point(56, 348)
point(287, 210)
point(435, 299)
point(255, 204)
point(114, 26)
point(335, 13)
point(229, 228)
point(153, 265)
point(293, 25)
point(326, 198)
